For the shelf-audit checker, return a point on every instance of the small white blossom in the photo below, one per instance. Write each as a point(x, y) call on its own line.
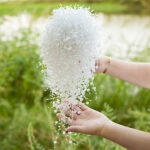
point(56, 122)
point(70, 141)
point(70, 46)
point(64, 132)
point(69, 132)
point(94, 88)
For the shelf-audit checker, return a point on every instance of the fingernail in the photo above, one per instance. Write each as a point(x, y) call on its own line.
point(66, 131)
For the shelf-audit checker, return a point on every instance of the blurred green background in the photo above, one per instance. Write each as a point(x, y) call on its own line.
point(26, 117)
point(45, 7)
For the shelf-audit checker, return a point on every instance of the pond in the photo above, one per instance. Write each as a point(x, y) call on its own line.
point(122, 35)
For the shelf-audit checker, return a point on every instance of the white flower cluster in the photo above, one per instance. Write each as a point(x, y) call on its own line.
point(70, 46)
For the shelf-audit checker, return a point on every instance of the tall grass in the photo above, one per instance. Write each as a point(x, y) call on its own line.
point(27, 122)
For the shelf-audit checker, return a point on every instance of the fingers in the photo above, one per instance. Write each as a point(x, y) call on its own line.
point(71, 105)
point(75, 129)
point(64, 119)
point(76, 106)
point(79, 129)
point(82, 106)
point(73, 113)
point(97, 64)
point(71, 109)
point(66, 108)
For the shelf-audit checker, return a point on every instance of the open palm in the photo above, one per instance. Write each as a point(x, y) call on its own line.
point(85, 120)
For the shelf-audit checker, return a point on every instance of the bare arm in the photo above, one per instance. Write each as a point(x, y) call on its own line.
point(129, 138)
point(93, 122)
point(135, 73)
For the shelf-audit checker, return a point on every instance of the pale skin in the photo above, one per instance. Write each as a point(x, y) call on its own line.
point(89, 121)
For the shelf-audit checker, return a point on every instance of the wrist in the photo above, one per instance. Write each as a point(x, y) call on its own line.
point(107, 127)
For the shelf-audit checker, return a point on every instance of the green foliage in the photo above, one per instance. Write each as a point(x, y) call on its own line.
point(17, 129)
point(34, 145)
point(45, 7)
point(20, 75)
point(138, 5)
point(42, 9)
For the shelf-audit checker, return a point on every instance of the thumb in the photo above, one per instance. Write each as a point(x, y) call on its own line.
point(75, 129)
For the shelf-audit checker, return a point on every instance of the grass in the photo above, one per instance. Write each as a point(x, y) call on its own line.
point(27, 123)
point(37, 9)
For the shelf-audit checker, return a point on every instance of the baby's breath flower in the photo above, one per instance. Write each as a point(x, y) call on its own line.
point(70, 46)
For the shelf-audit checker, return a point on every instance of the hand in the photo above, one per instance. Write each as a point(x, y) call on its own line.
point(102, 64)
point(85, 120)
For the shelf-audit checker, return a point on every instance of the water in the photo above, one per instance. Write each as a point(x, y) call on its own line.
point(125, 34)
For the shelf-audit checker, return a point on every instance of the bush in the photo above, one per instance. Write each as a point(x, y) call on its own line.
point(20, 74)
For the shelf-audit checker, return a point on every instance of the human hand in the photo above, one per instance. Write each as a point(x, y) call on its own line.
point(102, 64)
point(85, 120)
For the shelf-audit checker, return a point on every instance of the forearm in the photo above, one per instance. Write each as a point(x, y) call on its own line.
point(135, 73)
point(129, 138)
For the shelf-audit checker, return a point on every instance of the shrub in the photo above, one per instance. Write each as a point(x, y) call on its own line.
point(20, 74)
